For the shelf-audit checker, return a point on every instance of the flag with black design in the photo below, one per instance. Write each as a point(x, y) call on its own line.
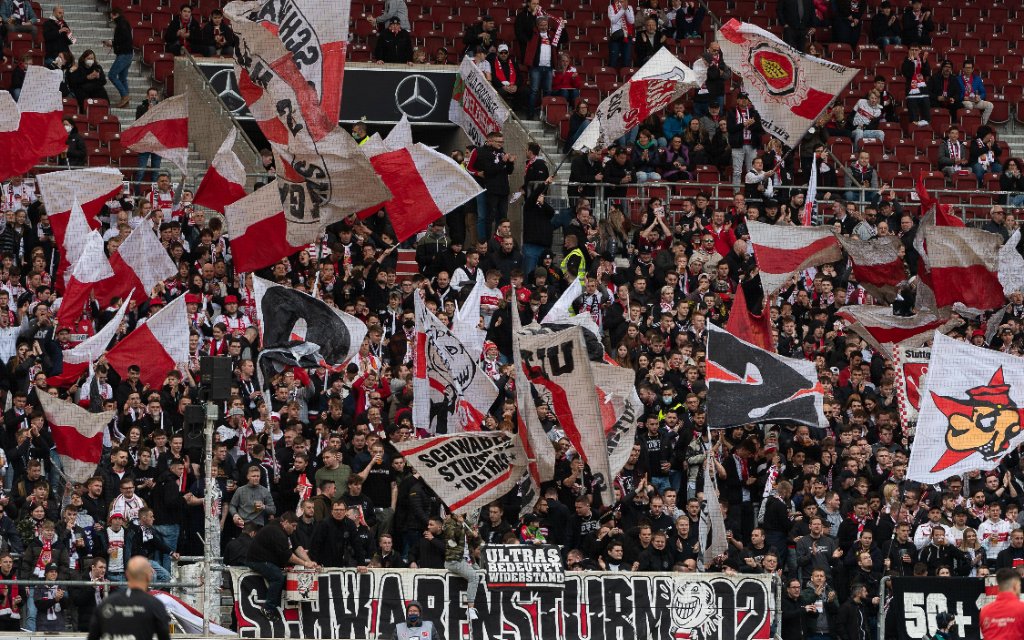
point(711, 527)
point(747, 384)
point(298, 329)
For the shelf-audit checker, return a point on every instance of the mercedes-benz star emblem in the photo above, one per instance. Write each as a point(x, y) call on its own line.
point(226, 86)
point(416, 96)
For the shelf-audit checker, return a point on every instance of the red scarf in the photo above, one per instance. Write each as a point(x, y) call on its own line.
point(503, 77)
point(44, 557)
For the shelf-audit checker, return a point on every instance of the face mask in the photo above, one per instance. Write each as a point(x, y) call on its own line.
point(413, 618)
point(67, 128)
point(90, 62)
point(666, 399)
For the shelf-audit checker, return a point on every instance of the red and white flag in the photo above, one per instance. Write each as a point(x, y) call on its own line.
point(911, 365)
point(163, 130)
point(77, 435)
point(783, 251)
point(661, 81)
point(32, 129)
point(79, 358)
point(157, 346)
point(971, 409)
point(788, 88)
point(963, 266)
point(475, 104)
point(77, 235)
point(90, 188)
point(139, 263)
point(882, 330)
point(224, 182)
point(261, 232)
point(807, 216)
point(877, 264)
point(755, 328)
point(91, 268)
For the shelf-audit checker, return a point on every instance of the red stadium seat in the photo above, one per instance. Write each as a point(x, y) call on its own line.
point(970, 120)
point(965, 182)
point(887, 170)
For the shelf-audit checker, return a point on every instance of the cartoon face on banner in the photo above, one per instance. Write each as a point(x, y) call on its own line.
point(694, 608)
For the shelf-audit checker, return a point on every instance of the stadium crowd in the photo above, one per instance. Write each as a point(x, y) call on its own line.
point(318, 461)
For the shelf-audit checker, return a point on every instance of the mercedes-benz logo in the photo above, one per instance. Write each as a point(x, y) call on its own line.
point(226, 86)
point(416, 96)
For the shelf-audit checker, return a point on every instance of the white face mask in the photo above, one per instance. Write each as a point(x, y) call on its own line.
point(90, 62)
point(67, 128)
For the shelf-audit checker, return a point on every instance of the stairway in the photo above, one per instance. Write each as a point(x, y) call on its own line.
point(547, 138)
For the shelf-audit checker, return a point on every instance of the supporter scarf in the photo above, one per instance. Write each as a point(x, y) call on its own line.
point(305, 488)
point(45, 555)
point(860, 523)
point(51, 594)
point(509, 77)
point(7, 595)
point(19, 11)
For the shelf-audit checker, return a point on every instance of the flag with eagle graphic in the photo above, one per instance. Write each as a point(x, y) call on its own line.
point(747, 384)
point(788, 88)
point(971, 410)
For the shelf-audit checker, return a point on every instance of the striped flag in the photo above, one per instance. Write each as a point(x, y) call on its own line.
point(163, 130)
point(783, 251)
point(77, 435)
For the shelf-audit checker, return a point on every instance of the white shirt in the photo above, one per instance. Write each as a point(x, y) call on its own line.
point(618, 19)
point(994, 536)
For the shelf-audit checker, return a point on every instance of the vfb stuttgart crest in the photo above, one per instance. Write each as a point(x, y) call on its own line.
point(775, 70)
point(984, 423)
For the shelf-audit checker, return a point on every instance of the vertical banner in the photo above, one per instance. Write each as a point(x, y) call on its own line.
point(911, 368)
point(475, 105)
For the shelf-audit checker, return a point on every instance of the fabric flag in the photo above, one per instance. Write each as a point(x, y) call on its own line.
point(712, 532)
point(747, 324)
point(91, 188)
point(424, 184)
point(163, 130)
point(298, 329)
point(475, 105)
point(139, 264)
point(621, 410)
point(658, 83)
point(536, 445)
point(91, 268)
point(262, 232)
point(1011, 265)
point(911, 364)
point(877, 264)
point(883, 330)
point(971, 413)
point(558, 366)
point(962, 266)
point(77, 235)
point(189, 618)
point(807, 216)
point(79, 358)
point(561, 311)
point(313, 35)
point(747, 384)
point(9, 342)
point(451, 393)
point(158, 346)
point(784, 251)
point(788, 88)
point(32, 128)
point(224, 182)
point(77, 435)
point(467, 322)
point(465, 470)
point(322, 176)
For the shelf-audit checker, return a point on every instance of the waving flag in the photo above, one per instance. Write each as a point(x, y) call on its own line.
point(784, 251)
point(32, 129)
point(883, 330)
point(91, 188)
point(262, 232)
point(807, 216)
point(163, 130)
point(877, 264)
point(1011, 264)
point(467, 322)
point(751, 321)
point(788, 88)
point(661, 81)
point(77, 235)
point(224, 182)
point(621, 410)
point(561, 311)
point(78, 359)
point(475, 104)
point(747, 385)
point(450, 391)
point(711, 527)
point(139, 263)
point(537, 449)
point(962, 266)
point(77, 435)
point(158, 346)
point(972, 407)
point(91, 268)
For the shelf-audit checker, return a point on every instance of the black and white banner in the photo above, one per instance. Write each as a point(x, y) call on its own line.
point(515, 566)
point(916, 601)
point(591, 606)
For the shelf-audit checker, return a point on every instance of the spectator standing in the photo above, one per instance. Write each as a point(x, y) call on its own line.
point(712, 92)
point(745, 130)
point(689, 20)
point(393, 9)
point(57, 37)
point(482, 35)
point(819, 624)
point(539, 58)
point(916, 71)
point(917, 25)
point(621, 20)
point(124, 53)
point(147, 160)
point(886, 27)
point(797, 18)
point(496, 166)
point(848, 21)
point(650, 40)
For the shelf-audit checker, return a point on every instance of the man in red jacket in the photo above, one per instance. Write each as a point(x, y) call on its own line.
point(1003, 619)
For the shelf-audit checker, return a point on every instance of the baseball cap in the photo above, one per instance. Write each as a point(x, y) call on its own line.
point(502, 47)
point(236, 411)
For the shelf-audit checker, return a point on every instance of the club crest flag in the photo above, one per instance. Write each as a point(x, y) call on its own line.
point(911, 368)
point(747, 384)
point(662, 80)
point(789, 89)
point(971, 410)
point(475, 104)
point(466, 470)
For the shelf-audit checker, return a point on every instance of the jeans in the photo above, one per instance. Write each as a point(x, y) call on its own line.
point(159, 571)
point(741, 160)
point(1015, 200)
point(118, 73)
point(980, 171)
point(146, 160)
point(540, 80)
point(647, 176)
point(620, 53)
point(660, 483)
point(275, 581)
point(170, 533)
point(28, 611)
point(531, 256)
point(497, 208)
point(885, 41)
point(570, 95)
point(467, 571)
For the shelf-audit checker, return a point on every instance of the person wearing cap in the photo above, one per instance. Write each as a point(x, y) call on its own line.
point(415, 627)
point(394, 45)
point(745, 131)
point(234, 320)
point(51, 602)
point(945, 91)
point(482, 35)
point(505, 77)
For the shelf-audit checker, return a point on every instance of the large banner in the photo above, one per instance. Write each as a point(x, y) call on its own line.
point(475, 105)
point(911, 367)
point(591, 606)
point(515, 566)
point(916, 601)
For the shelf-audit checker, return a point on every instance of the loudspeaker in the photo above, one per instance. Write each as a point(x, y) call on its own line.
point(215, 375)
point(195, 417)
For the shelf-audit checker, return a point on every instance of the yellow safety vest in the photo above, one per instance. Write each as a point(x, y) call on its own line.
point(581, 272)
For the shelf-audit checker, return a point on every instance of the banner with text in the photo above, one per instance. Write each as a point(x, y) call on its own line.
point(911, 369)
point(475, 104)
point(590, 606)
point(511, 566)
point(916, 601)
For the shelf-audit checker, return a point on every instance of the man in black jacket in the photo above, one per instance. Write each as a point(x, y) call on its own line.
point(124, 52)
point(496, 166)
point(482, 34)
point(428, 552)
point(56, 36)
point(393, 45)
point(183, 33)
point(744, 126)
point(218, 37)
point(332, 538)
point(852, 622)
point(797, 18)
point(271, 551)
